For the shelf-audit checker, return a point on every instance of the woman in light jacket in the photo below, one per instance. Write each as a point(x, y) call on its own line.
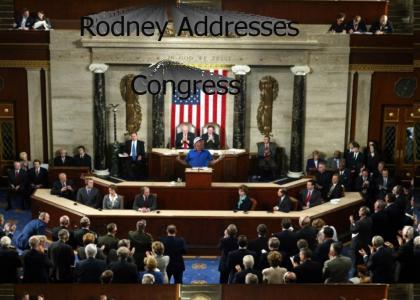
point(275, 274)
point(112, 200)
point(158, 250)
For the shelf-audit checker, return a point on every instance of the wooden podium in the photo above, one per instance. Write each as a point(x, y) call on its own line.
point(198, 178)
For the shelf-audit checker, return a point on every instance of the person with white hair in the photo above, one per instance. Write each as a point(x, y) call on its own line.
point(148, 279)
point(34, 227)
point(248, 262)
point(90, 269)
point(382, 26)
point(9, 261)
point(251, 278)
point(64, 223)
point(124, 270)
point(36, 265)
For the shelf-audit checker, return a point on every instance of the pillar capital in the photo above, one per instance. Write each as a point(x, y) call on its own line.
point(300, 70)
point(240, 69)
point(98, 68)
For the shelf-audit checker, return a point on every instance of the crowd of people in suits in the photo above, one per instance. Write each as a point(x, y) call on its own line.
point(82, 256)
point(26, 21)
point(358, 26)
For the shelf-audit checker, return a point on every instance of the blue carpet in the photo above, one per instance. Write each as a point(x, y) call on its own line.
point(201, 271)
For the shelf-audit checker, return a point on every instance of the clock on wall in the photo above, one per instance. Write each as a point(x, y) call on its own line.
point(405, 87)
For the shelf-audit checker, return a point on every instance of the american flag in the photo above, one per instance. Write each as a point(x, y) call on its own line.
point(199, 109)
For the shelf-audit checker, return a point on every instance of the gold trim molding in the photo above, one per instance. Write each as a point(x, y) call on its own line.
point(45, 64)
point(381, 68)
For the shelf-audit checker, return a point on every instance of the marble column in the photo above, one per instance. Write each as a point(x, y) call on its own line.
point(298, 121)
point(158, 125)
point(99, 119)
point(239, 109)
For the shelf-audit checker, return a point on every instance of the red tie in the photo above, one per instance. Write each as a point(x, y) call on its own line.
point(308, 197)
point(185, 144)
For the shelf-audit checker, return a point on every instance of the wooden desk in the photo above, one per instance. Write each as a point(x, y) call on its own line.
point(219, 196)
point(202, 229)
point(163, 165)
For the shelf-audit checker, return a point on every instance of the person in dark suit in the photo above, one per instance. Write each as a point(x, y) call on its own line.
point(309, 197)
point(90, 269)
point(34, 227)
point(382, 26)
point(90, 238)
point(142, 242)
point(333, 163)
point(235, 257)
point(82, 159)
point(323, 249)
point(273, 245)
point(24, 21)
point(338, 26)
point(41, 21)
point(356, 161)
point(244, 203)
point(307, 232)
point(9, 261)
point(335, 189)
point(357, 25)
point(364, 186)
point(308, 270)
point(63, 160)
point(89, 195)
point(36, 264)
point(109, 241)
point(287, 238)
point(63, 187)
point(344, 173)
point(395, 217)
point(184, 139)
point(62, 257)
point(17, 185)
point(37, 176)
point(259, 245)
point(361, 232)
point(322, 179)
point(312, 163)
point(267, 153)
point(248, 263)
point(372, 157)
point(175, 248)
point(145, 201)
point(228, 243)
point(284, 204)
point(83, 229)
point(135, 157)
point(405, 255)
point(380, 220)
point(64, 224)
point(384, 184)
point(337, 268)
point(381, 261)
point(124, 271)
point(211, 139)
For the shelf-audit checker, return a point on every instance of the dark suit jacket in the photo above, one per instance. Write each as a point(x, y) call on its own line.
point(313, 201)
point(310, 164)
point(381, 188)
point(337, 192)
point(377, 26)
point(372, 162)
point(355, 164)
point(90, 270)
point(257, 245)
point(361, 27)
point(395, 218)
point(324, 180)
point(211, 144)
point(261, 148)
point(29, 21)
point(245, 206)
point(41, 178)
point(79, 233)
point(365, 190)
point(322, 251)
point(21, 180)
point(57, 186)
point(139, 202)
point(68, 162)
point(239, 278)
point(309, 272)
point(345, 178)
point(381, 264)
point(139, 149)
point(9, 262)
point(56, 230)
point(62, 258)
point(380, 224)
point(36, 267)
point(142, 242)
point(235, 258)
point(175, 248)
point(405, 256)
point(109, 241)
point(86, 161)
point(363, 228)
point(288, 242)
point(337, 270)
point(309, 234)
point(92, 200)
point(226, 245)
point(124, 272)
point(178, 140)
point(337, 27)
point(285, 205)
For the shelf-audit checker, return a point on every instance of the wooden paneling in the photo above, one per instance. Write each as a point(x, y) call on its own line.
point(6, 111)
point(24, 45)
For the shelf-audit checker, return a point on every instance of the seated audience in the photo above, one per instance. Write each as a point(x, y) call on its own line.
point(145, 202)
point(17, 185)
point(307, 232)
point(259, 245)
point(184, 139)
point(151, 268)
point(135, 157)
point(267, 152)
point(9, 261)
point(211, 139)
point(64, 224)
point(89, 195)
point(382, 26)
point(284, 203)
point(251, 278)
point(338, 26)
point(309, 197)
point(158, 250)
point(37, 176)
point(24, 21)
point(337, 268)
point(141, 242)
point(36, 265)
point(287, 238)
point(62, 258)
point(63, 187)
point(335, 189)
point(308, 270)
point(248, 263)
point(82, 159)
point(322, 179)
point(112, 200)
point(383, 184)
point(274, 274)
point(235, 257)
point(63, 160)
point(175, 249)
point(109, 241)
point(228, 243)
point(123, 270)
point(333, 163)
point(244, 203)
point(361, 231)
point(41, 21)
point(90, 269)
point(33, 227)
point(357, 25)
point(83, 229)
point(312, 163)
